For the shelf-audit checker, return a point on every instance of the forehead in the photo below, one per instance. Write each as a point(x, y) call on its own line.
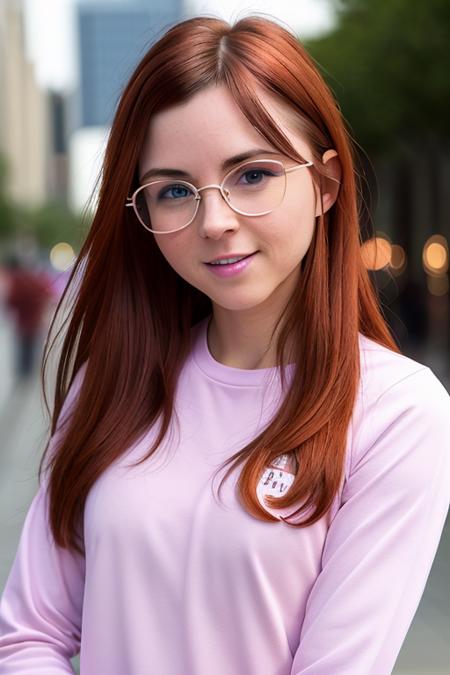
point(209, 128)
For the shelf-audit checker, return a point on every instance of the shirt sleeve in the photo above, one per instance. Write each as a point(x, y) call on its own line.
point(381, 544)
point(41, 606)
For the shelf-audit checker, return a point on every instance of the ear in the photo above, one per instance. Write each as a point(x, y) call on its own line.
point(331, 181)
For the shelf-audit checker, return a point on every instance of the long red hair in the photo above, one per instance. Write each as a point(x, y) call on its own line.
point(131, 316)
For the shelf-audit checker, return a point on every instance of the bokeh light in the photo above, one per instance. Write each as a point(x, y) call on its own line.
point(377, 252)
point(62, 256)
point(435, 255)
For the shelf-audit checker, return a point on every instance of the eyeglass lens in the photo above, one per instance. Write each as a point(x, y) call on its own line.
point(253, 188)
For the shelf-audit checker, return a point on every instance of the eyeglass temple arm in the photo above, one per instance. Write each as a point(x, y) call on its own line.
point(299, 166)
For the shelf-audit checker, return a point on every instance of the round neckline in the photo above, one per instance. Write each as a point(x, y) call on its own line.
point(220, 372)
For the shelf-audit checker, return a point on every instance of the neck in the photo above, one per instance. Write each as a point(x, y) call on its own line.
point(243, 338)
point(238, 340)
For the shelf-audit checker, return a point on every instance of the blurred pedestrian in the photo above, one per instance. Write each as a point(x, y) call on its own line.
point(26, 297)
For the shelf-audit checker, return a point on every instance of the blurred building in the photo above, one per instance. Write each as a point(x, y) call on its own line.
point(112, 38)
point(24, 112)
point(58, 156)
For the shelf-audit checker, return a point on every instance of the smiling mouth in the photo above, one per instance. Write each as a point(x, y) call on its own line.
point(222, 264)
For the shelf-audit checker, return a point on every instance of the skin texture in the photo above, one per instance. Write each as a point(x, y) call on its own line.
point(196, 137)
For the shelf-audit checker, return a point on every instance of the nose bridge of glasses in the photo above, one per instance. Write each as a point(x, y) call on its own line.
point(212, 185)
point(222, 189)
point(224, 193)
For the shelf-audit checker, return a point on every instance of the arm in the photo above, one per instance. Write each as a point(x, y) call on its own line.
point(381, 544)
point(41, 607)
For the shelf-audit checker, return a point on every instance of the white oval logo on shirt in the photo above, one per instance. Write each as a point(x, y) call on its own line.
point(277, 478)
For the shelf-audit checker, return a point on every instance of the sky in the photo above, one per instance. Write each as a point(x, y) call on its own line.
point(51, 43)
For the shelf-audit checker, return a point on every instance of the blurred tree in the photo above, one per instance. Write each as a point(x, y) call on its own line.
point(7, 216)
point(49, 223)
point(389, 61)
point(53, 222)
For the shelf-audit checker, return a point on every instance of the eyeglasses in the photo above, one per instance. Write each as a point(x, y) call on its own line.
point(253, 188)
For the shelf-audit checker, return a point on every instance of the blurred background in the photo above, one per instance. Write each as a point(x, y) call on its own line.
point(63, 64)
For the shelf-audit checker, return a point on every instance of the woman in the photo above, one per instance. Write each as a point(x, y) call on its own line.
point(279, 368)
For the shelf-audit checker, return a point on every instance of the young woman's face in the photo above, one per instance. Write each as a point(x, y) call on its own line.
point(197, 137)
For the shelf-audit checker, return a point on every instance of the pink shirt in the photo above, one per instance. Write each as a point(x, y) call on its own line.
point(177, 583)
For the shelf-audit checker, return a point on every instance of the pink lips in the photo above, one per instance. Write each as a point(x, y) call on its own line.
point(232, 268)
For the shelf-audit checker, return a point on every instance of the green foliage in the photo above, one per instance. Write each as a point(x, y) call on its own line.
point(387, 63)
point(48, 223)
point(7, 216)
point(7, 219)
point(53, 222)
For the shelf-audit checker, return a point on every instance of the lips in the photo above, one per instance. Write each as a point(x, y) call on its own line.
point(240, 256)
point(228, 270)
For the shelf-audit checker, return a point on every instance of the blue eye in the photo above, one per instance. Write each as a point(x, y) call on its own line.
point(175, 187)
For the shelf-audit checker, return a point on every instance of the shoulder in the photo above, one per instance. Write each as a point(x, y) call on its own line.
point(398, 398)
point(386, 375)
point(382, 368)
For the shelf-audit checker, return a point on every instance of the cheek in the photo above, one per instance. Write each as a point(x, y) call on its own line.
point(297, 244)
point(173, 249)
point(289, 235)
point(301, 215)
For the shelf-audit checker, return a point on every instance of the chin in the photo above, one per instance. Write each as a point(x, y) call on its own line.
point(234, 304)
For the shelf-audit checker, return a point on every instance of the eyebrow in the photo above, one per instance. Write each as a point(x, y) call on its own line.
point(227, 163)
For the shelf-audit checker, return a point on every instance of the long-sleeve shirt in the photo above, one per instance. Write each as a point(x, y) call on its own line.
point(176, 581)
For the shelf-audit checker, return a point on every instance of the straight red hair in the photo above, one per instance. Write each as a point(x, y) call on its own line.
point(131, 318)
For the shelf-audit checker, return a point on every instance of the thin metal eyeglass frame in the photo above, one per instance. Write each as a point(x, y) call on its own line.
point(220, 187)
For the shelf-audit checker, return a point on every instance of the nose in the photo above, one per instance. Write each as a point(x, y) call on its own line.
point(214, 215)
